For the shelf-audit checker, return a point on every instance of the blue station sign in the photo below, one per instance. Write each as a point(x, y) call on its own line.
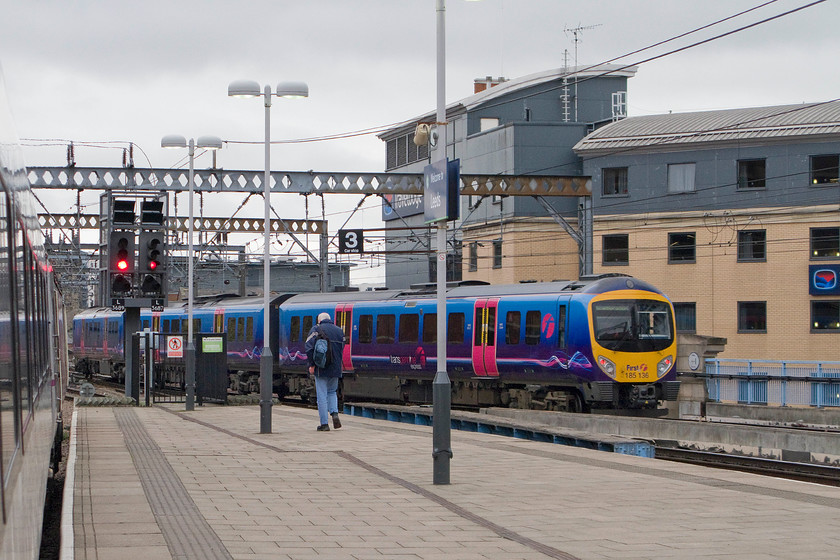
point(823, 279)
point(441, 189)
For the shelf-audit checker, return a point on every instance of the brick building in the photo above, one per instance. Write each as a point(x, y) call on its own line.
point(735, 214)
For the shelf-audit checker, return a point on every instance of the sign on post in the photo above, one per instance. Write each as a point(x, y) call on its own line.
point(212, 345)
point(175, 346)
point(440, 193)
point(351, 241)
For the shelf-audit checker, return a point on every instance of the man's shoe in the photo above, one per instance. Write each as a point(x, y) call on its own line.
point(323, 428)
point(336, 421)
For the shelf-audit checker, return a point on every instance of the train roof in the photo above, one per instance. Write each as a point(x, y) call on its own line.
point(586, 284)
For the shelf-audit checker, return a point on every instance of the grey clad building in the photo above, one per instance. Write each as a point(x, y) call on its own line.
point(522, 126)
point(735, 214)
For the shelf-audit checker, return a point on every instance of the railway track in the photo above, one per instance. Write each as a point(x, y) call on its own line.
point(806, 472)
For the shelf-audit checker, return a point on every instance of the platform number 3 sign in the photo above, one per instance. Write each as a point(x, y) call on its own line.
point(351, 241)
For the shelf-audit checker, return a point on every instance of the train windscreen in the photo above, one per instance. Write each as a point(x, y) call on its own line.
point(633, 325)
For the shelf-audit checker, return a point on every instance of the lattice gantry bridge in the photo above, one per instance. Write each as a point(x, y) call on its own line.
point(301, 182)
point(305, 183)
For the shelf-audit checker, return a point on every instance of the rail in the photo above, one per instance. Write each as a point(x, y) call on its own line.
point(773, 382)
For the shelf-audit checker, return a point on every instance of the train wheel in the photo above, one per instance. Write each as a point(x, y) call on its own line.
point(575, 403)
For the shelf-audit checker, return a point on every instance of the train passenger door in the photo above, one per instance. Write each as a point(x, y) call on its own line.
point(218, 320)
point(344, 320)
point(484, 337)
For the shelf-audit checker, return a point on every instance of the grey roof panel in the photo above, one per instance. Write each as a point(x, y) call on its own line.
point(811, 119)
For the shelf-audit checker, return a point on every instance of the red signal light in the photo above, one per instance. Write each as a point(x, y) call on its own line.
point(122, 264)
point(153, 265)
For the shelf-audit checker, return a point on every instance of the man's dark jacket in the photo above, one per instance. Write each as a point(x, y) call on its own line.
point(336, 338)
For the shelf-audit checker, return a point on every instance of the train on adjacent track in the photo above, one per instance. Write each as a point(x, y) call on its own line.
point(605, 341)
point(33, 356)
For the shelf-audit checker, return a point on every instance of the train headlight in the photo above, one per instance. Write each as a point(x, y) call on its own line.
point(607, 366)
point(664, 365)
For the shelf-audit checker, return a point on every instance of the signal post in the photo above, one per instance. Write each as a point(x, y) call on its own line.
point(133, 265)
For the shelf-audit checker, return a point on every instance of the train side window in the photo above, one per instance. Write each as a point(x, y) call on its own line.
point(430, 328)
point(385, 325)
point(196, 325)
point(491, 326)
point(307, 324)
point(240, 329)
point(249, 328)
point(561, 326)
point(166, 326)
point(145, 324)
point(294, 329)
point(365, 329)
point(231, 330)
point(513, 326)
point(409, 328)
point(532, 328)
point(455, 328)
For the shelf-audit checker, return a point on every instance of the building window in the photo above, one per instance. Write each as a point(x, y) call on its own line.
point(825, 316)
point(752, 245)
point(681, 247)
point(681, 177)
point(616, 249)
point(825, 243)
point(752, 316)
point(824, 170)
point(751, 174)
point(473, 256)
point(686, 317)
point(497, 253)
point(614, 181)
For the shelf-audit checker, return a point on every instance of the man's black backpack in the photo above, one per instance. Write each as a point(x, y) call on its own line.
point(321, 354)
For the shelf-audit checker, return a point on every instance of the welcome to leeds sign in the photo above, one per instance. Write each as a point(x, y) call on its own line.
point(440, 194)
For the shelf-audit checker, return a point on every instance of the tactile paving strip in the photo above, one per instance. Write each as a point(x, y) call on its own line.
point(187, 533)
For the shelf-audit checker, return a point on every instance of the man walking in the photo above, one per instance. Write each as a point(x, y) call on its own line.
point(327, 375)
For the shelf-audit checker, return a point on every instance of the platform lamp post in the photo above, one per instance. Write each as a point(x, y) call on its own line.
point(441, 386)
point(291, 90)
point(207, 143)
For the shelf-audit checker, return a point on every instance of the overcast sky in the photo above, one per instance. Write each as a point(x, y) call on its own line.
point(110, 72)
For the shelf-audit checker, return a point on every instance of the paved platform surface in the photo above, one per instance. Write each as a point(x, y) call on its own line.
point(159, 483)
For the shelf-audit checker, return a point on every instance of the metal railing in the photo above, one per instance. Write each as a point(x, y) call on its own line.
point(773, 382)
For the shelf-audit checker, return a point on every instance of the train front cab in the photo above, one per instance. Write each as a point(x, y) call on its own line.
point(634, 343)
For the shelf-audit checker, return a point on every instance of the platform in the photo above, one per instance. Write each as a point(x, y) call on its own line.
point(159, 483)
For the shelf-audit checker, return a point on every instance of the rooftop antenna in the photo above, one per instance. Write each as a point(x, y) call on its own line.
point(577, 32)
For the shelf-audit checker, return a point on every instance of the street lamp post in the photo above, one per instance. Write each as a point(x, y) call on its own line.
point(293, 90)
point(207, 143)
point(441, 386)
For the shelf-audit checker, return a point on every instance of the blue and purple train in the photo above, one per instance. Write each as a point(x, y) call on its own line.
point(33, 356)
point(605, 341)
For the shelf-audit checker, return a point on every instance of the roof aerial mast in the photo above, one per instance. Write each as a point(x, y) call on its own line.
point(576, 34)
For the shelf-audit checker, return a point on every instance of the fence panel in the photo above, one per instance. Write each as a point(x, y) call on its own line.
point(780, 383)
